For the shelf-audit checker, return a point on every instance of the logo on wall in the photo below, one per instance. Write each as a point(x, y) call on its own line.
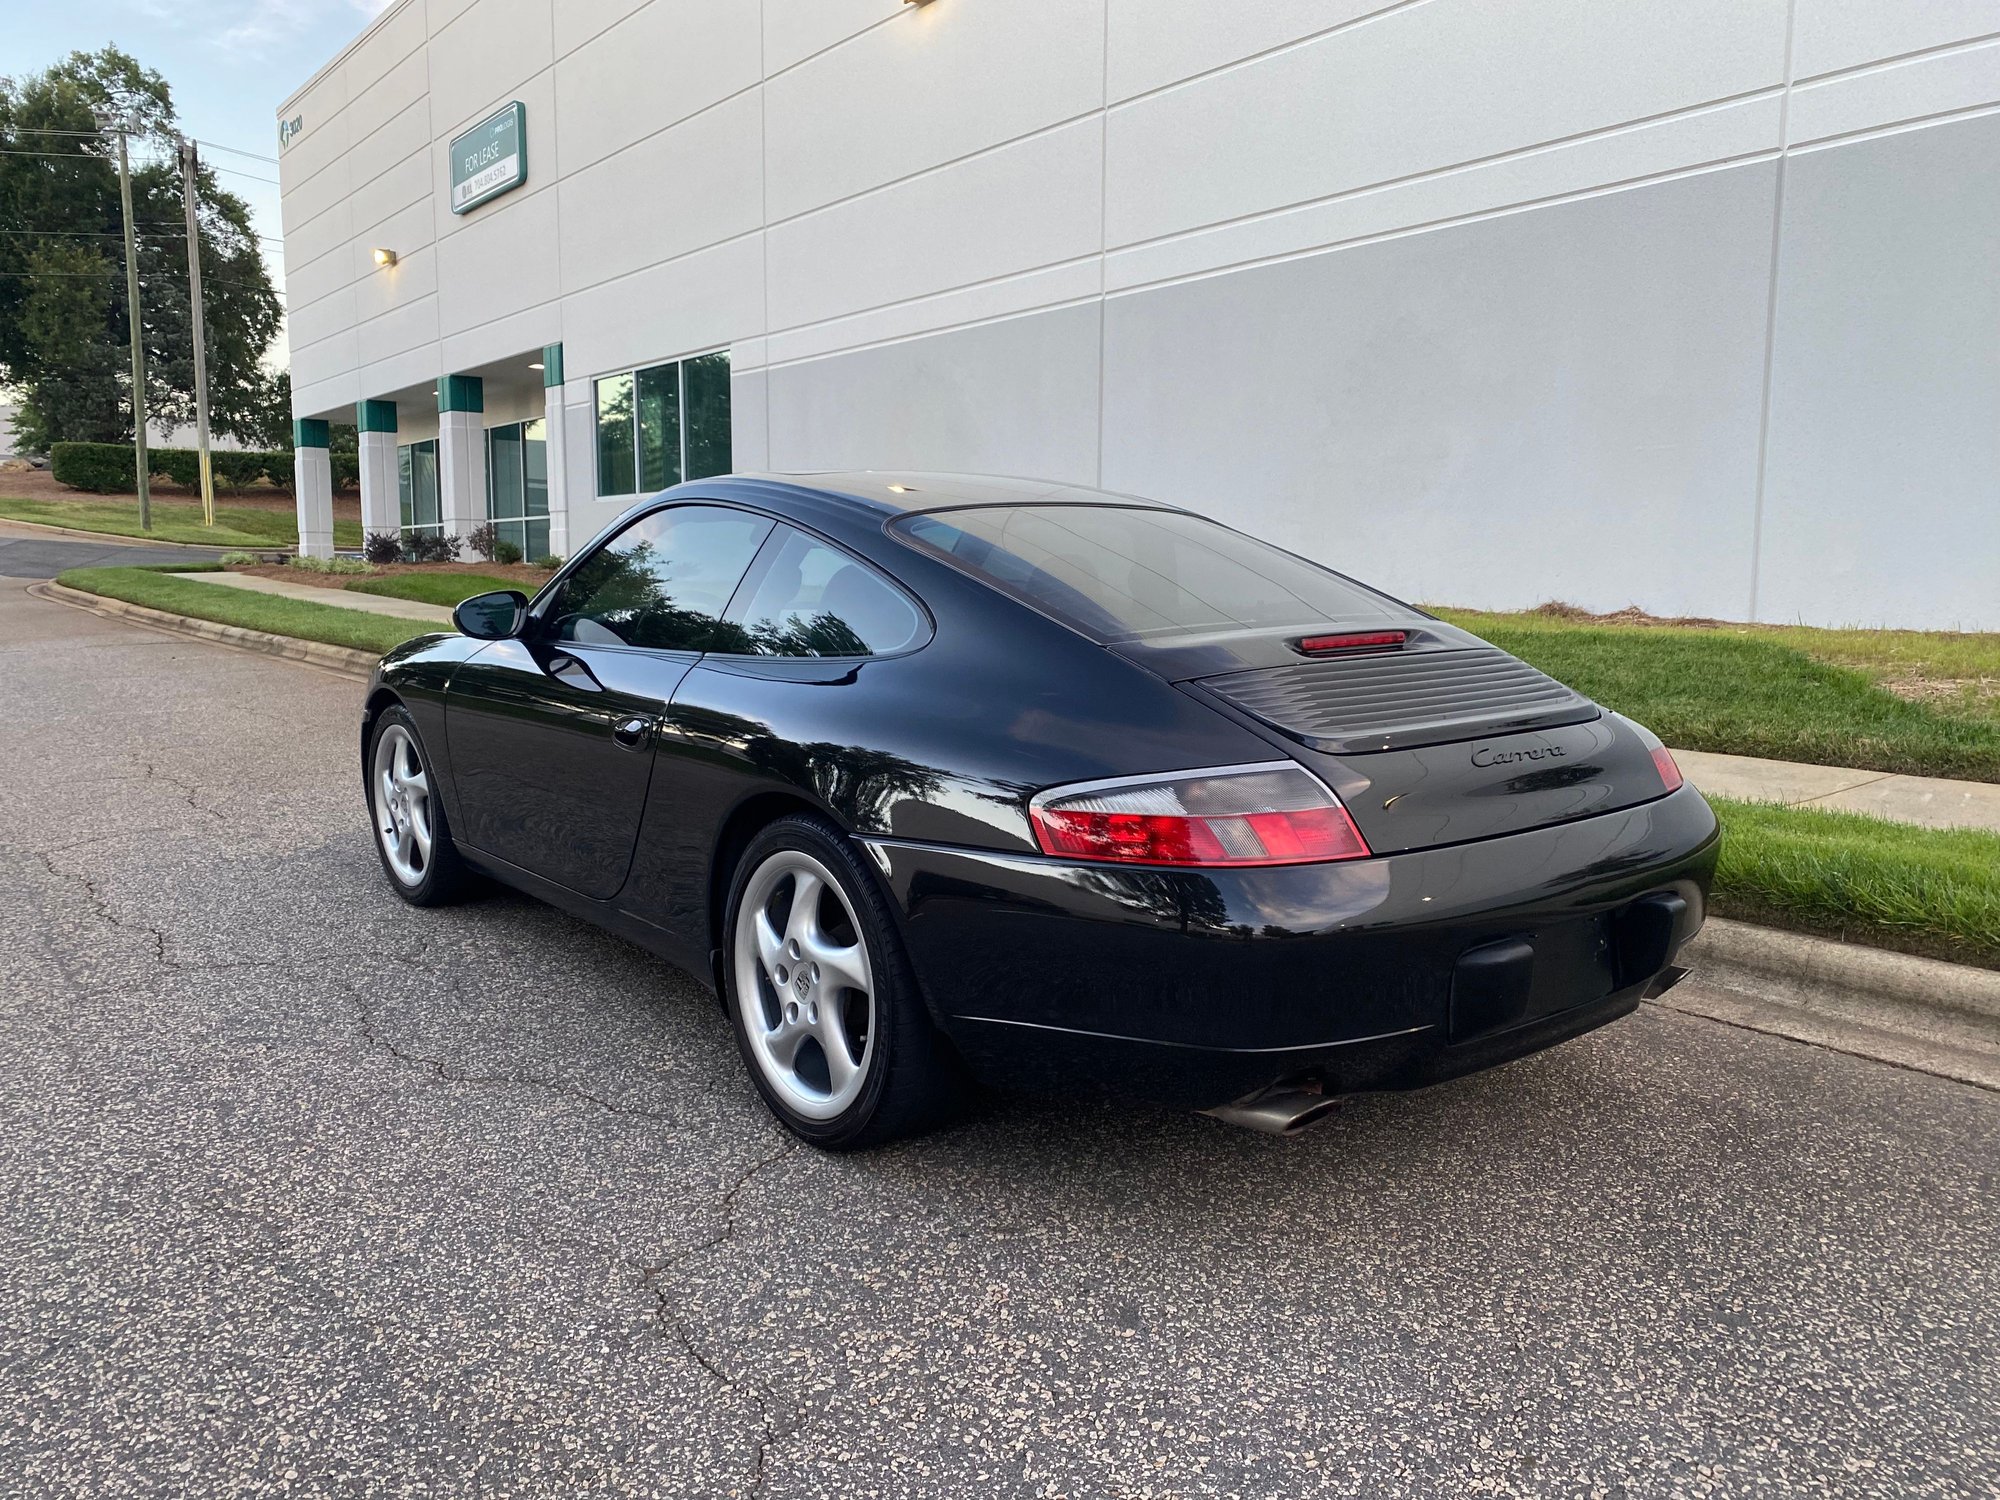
point(290, 130)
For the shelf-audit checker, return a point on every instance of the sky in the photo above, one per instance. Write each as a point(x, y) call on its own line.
point(229, 62)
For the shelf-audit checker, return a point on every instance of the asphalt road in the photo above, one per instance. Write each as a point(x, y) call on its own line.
point(29, 552)
point(305, 1192)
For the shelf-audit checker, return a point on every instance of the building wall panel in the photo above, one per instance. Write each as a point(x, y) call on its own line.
point(934, 85)
point(658, 66)
point(1460, 81)
point(1882, 500)
point(1552, 405)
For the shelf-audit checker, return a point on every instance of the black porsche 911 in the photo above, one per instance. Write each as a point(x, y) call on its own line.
point(938, 778)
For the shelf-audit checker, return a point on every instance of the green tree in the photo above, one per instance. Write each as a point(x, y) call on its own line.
point(63, 313)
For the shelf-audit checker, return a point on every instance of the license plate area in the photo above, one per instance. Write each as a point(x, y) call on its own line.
point(1512, 981)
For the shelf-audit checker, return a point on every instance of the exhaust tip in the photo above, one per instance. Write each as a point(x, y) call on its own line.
point(1278, 1111)
point(1666, 980)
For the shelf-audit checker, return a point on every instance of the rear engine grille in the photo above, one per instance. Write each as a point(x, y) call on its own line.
point(1402, 699)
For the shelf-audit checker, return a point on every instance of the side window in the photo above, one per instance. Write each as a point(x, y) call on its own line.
point(662, 582)
point(814, 600)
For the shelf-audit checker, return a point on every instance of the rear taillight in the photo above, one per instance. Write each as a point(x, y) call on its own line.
point(1670, 773)
point(1663, 758)
point(1275, 814)
point(1355, 640)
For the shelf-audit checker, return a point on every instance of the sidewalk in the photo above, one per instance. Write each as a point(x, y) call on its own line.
point(1930, 801)
point(371, 604)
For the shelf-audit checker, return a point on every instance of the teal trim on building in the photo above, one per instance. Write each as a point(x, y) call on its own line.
point(375, 416)
point(461, 393)
point(552, 366)
point(311, 432)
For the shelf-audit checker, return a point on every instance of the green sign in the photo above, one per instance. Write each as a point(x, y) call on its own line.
point(489, 159)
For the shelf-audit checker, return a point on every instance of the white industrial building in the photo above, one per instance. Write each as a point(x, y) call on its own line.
point(1694, 305)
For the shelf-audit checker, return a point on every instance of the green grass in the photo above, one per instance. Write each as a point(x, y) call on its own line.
point(1922, 890)
point(434, 588)
point(226, 606)
point(1758, 692)
point(173, 521)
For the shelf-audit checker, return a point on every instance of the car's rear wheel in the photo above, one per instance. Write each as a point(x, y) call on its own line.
point(826, 1010)
point(411, 835)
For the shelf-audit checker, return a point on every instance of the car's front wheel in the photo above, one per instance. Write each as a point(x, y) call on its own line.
point(826, 1010)
point(411, 835)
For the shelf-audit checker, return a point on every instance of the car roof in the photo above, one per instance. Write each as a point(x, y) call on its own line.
point(903, 492)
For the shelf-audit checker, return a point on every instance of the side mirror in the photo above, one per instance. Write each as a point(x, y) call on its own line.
point(498, 616)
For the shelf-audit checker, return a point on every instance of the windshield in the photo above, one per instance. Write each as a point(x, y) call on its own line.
point(1123, 574)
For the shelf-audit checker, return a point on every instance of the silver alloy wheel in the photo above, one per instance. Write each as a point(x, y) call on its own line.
point(403, 805)
point(804, 985)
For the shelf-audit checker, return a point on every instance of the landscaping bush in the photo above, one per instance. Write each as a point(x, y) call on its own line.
point(482, 538)
point(505, 553)
point(550, 562)
point(101, 468)
point(382, 547)
point(329, 564)
point(240, 559)
point(431, 547)
point(181, 465)
point(106, 468)
point(245, 468)
point(346, 471)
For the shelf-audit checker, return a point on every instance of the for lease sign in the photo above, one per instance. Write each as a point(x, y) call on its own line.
point(489, 159)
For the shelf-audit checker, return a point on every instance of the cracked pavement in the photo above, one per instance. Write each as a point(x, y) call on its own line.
point(304, 1192)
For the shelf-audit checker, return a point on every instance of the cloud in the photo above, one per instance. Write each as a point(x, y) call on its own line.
point(252, 30)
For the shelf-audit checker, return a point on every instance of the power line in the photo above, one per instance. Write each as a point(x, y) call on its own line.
point(238, 151)
point(239, 172)
point(150, 229)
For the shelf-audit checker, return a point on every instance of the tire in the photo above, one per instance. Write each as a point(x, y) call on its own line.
point(412, 838)
point(798, 988)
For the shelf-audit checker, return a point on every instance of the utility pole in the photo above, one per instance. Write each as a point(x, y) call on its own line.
point(188, 165)
point(122, 128)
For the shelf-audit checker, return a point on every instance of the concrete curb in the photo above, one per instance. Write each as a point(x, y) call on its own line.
point(342, 659)
point(1914, 1012)
point(113, 539)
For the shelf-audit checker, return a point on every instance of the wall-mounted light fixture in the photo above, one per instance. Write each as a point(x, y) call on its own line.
point(916, 2)
point(537, 365)
point(385, 257)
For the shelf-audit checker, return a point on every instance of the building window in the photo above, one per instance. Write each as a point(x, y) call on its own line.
point(517, 486)
point(663, 424)
point(417, 486)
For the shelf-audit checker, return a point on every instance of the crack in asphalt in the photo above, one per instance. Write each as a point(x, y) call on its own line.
point(445, 1071)
point(653, 1278)
point(185, 788)
point(101, 905)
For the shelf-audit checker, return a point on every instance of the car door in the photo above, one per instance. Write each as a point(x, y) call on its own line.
point(791, 693)
point(552, 735)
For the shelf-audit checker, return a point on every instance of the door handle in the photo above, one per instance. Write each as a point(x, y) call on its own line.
point(630, 733)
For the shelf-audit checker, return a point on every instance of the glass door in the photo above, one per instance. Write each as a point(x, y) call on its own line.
point(517, 486)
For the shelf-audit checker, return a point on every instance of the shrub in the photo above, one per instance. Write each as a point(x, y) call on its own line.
point(550, 562)
point(241, 468)
point(329, 564)
point(431, 547)
point(181, 465)
point(240, 559)
point(346, 471)
point(483, 538)
point(101, 468)
point(106, 468)
point(505, 553)
point(382, 547)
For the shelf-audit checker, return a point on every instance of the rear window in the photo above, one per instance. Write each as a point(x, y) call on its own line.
point(1122, 574)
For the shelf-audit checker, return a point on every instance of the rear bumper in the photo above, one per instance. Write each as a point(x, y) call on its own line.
point(1385, 973)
